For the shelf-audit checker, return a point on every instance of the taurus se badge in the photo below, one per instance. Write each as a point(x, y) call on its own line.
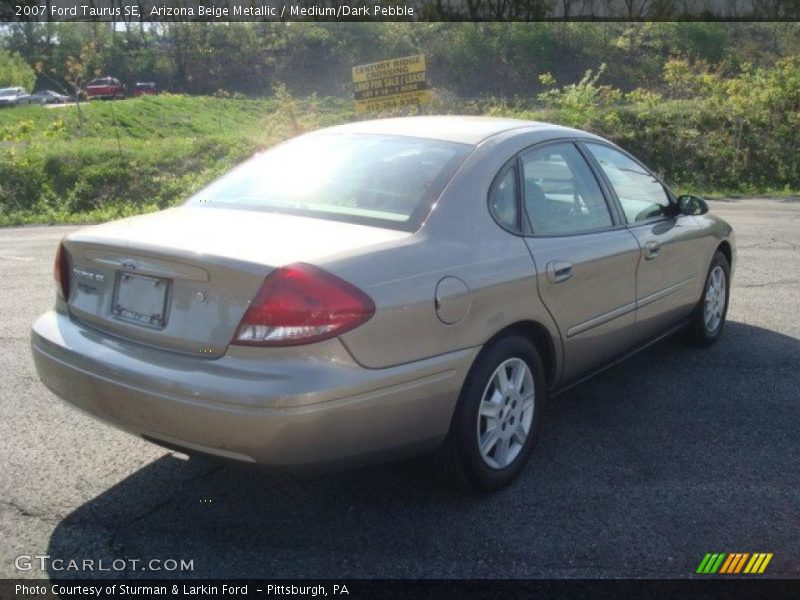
point(89, 275)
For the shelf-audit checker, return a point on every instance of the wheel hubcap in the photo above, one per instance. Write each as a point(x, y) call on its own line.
point(506, 413)
point(714, 303)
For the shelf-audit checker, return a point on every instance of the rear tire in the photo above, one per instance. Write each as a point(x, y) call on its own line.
point(496, 422)
point(709, 316)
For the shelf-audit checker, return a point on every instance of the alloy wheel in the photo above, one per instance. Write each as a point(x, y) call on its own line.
point(714, 303)
point(505, 414)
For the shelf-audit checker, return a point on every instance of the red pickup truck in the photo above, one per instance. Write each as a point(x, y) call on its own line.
point(106, 88)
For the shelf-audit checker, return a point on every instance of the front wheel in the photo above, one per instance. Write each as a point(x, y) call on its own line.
point(709, 317)
point(496, 423)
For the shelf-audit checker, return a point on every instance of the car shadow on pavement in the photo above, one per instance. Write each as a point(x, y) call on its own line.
point(672, 449)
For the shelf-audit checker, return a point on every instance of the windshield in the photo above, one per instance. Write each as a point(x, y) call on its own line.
point(10, 92)
point(387, 181)
point(102, 82)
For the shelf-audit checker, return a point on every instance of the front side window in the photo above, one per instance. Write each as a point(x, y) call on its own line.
point(561, 194)
point(641, 195)
point(382, 180)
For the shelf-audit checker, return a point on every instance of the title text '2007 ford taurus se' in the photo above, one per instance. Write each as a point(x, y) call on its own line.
point(382, 289)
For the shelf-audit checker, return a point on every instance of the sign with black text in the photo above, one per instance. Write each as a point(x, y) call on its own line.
point(390, 84)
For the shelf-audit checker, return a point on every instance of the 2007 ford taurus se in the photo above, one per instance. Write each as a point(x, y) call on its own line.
point(382, 289)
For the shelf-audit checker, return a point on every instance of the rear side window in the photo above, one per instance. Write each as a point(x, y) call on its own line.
point(382, 180)
point(562, 196)
point(503, 199)
point(641, 195)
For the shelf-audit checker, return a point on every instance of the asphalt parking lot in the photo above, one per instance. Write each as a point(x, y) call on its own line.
point(639, 472)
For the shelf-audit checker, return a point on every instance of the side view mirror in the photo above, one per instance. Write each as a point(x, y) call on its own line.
point(692, 205)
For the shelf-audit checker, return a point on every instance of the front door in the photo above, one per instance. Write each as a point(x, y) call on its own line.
point(667, 277)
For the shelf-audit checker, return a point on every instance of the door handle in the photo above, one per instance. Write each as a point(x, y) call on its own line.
point(558, 272)
point(651, 250)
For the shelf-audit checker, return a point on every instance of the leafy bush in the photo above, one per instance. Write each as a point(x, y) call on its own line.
point(15, 72)
point(737, 134)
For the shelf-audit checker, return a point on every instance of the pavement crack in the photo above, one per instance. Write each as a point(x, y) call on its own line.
point(768, 283)
point(118, 547)
point(775, 242)
point(25, 512)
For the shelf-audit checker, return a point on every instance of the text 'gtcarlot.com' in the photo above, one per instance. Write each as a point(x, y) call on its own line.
point(44, 562)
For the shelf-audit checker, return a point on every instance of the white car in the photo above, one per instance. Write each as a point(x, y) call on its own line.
point(14, 95)
point(48, 97)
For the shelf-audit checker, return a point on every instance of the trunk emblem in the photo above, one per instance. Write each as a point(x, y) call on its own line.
point(88, 275)
point(201, 297)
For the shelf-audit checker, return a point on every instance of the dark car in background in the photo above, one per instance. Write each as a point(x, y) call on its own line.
point(144, 88)
point(13, 96)
point(107, 88)
point(48, 97)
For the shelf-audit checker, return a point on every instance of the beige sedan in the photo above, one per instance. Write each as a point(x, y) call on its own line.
point(379, 290)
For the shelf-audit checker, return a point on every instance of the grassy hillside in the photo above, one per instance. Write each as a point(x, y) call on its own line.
point(134, 156)
point(148, 153)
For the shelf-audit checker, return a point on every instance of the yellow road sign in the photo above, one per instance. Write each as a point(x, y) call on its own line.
point(390, 84)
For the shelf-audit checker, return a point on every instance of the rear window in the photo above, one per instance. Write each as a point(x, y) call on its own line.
point(104, 81)
point(381, 180)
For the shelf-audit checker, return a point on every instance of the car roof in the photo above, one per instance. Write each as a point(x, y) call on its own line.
point(460, 129)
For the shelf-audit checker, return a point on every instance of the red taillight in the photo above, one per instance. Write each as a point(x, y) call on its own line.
point(61, 273)
point(300, 304)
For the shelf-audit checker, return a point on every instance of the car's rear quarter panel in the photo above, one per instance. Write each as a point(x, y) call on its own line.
point(459, 239)
point(500, 277)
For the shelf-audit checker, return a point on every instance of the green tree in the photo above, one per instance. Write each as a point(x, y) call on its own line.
point(14, 71)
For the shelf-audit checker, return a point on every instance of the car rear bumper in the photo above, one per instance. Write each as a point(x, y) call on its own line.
point(103, 95)
point(278, 407)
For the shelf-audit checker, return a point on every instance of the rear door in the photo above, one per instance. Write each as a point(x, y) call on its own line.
point(667, 277)
point(585, 257)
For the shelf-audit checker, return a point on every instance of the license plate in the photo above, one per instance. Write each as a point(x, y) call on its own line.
point(141, 299)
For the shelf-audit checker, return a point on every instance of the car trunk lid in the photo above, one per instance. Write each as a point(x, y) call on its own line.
point(183, 278)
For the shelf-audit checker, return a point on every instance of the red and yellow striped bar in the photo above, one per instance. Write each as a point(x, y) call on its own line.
point(734, 563)
point(740, 563)
point(727, 564)
point(758, 563)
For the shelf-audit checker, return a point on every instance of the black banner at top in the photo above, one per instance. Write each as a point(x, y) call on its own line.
point(398, 10)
